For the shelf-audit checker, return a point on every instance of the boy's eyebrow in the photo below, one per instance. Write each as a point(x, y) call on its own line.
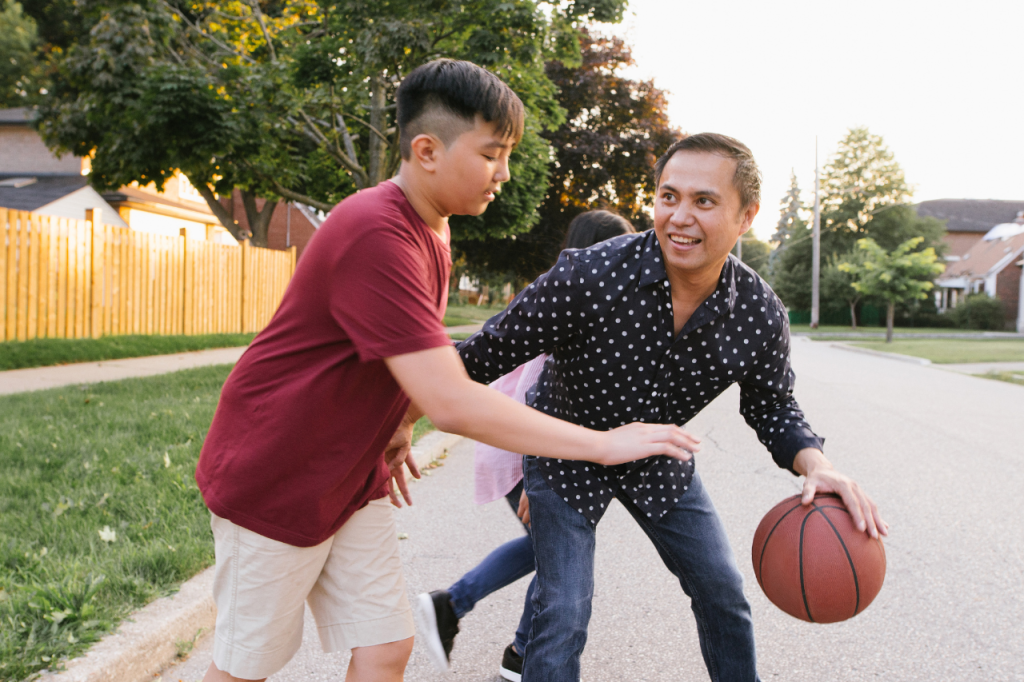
point(499, 144)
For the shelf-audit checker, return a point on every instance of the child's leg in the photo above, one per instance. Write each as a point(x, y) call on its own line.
point(380, 663)
point(503, 566)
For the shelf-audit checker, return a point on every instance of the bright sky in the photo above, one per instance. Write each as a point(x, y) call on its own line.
point(775, 74)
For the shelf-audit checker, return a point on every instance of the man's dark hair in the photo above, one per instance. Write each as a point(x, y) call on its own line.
point(592, 227)
point(444, 96)
point(746, 179)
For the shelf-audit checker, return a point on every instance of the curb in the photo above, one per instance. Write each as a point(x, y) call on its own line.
point(150, 639)
point(882, 354)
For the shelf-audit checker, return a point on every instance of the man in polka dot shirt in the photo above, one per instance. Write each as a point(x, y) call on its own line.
point(652, 327)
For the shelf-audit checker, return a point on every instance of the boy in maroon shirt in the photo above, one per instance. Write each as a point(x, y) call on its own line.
point(314, 422)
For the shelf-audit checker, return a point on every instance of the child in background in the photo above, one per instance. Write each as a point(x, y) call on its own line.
point(499, 473)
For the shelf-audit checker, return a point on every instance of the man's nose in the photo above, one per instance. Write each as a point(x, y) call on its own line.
point(682, 216)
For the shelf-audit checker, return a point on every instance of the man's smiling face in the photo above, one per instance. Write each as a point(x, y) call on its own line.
point(698, 214)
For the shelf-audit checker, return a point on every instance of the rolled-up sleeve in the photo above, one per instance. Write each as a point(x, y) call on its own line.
point(544, 315)
point(768, 406)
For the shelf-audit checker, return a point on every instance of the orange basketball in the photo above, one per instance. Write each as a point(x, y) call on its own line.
point(813, 563)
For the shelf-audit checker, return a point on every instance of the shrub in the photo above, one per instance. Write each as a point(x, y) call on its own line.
point(979, 311)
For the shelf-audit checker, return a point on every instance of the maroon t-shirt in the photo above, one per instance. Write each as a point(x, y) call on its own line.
point(296, 445)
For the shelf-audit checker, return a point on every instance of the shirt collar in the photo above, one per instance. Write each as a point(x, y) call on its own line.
point(652, 263)
point(726, 289)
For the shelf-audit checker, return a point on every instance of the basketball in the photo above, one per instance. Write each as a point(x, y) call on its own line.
point(813, 563)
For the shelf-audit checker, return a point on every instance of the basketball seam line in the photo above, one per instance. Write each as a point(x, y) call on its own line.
point(849, 559)
point(764, 547)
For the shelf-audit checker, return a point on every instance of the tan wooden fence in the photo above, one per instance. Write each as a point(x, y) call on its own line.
point(62, 278)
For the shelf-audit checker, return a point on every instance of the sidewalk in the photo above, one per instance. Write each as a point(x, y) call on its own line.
point(40, 378)
point(984, 367)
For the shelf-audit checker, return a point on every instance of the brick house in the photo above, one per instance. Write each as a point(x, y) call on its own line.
point(968, 220)
point(991, 266)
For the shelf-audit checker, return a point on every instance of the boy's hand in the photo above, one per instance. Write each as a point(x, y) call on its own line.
point(397, 454)
point(637, 441)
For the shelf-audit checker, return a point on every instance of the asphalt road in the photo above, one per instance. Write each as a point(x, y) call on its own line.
point(942, 453)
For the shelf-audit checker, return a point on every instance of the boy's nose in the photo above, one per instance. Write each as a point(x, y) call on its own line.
point(503, 174)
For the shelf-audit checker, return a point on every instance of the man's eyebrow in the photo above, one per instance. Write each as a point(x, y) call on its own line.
point(708, 193)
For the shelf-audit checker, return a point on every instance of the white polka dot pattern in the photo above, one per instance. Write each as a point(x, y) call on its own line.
point(604, 314)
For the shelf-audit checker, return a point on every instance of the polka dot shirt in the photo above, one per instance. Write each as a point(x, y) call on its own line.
point(604, 314)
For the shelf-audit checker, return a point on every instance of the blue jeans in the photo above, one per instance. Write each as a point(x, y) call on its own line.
point(502, 567)
point(692, 543)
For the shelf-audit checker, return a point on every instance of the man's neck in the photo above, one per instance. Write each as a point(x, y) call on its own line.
point(425, 208)
point(690, 289)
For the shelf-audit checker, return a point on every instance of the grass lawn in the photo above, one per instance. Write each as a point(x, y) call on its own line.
point(99, 509)
point(845, 329)
point(946, 351)
point(457, 314)
point(1010, 377)
point(45, 352)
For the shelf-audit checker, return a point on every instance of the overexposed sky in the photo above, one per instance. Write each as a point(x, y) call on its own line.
point(942, 82)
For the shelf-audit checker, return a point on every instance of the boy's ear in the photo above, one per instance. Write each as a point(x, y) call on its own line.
point(425, 150)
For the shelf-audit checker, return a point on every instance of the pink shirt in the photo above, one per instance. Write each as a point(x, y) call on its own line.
point(498, 471)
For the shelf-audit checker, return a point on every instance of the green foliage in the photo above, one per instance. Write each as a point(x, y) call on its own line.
point(292, 99)
point(99, 509)
point(613, 131)
point(898, 276)
point(21, 73)
point(756, 254)
point(46, 352)
point(863, 195)
point(979, 311)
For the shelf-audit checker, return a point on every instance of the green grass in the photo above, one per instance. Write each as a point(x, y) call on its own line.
point(460, 336)
point(845, 329)
point(946, 351)
point(46, 352)
point(454, 321)
point(1010, 377)
point(99, 509)
point(472, 313)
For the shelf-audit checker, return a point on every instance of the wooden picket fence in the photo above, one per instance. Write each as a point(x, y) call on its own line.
point(63, 278)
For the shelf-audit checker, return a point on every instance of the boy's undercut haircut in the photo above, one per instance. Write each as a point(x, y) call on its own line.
point(746, 179)
point(443, 97)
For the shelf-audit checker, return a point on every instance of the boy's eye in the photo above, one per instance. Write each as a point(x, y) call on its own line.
point(490, 158)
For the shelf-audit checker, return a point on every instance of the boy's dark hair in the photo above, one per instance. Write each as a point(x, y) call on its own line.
point(592, 227)
point(444, 96)
point(746, 179)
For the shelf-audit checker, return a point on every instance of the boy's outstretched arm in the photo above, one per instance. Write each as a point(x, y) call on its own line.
point(437, 382)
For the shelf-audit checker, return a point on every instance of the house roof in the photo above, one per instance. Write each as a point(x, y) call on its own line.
point(970, 215)
point(19, 116)
point(986, 258)
point(44, 190)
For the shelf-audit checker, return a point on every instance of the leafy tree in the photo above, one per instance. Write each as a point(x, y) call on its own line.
point(756, 254)
point(789, 220)
point(614, 130)
point(21, 74)
point(864, 195)
point(837, 284)
point(292, 98)
point(898, 276)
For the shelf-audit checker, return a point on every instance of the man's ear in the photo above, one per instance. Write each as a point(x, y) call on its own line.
point(749, 213)
point(425, 150)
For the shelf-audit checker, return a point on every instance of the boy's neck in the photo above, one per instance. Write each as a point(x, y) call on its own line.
point(424, 207)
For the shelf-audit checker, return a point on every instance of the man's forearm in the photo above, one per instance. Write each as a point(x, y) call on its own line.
point(809, 460)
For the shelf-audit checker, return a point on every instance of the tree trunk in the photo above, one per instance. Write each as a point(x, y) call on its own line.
point(225, 216)
point(853, 314)
point(259, 221)
point(890, 315)
point(378, 102)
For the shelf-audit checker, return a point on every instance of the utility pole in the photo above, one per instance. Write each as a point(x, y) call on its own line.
point(739, 248)
point(816, 247)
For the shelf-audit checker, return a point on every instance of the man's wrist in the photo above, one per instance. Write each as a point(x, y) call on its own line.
point(809, 460)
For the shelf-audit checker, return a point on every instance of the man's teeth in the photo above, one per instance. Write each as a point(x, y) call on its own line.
point(684, 240)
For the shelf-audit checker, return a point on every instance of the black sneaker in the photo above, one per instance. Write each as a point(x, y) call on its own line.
point(439, 626)
point(511, 665)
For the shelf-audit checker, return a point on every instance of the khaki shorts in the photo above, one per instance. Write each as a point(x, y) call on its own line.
point(353, 583)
